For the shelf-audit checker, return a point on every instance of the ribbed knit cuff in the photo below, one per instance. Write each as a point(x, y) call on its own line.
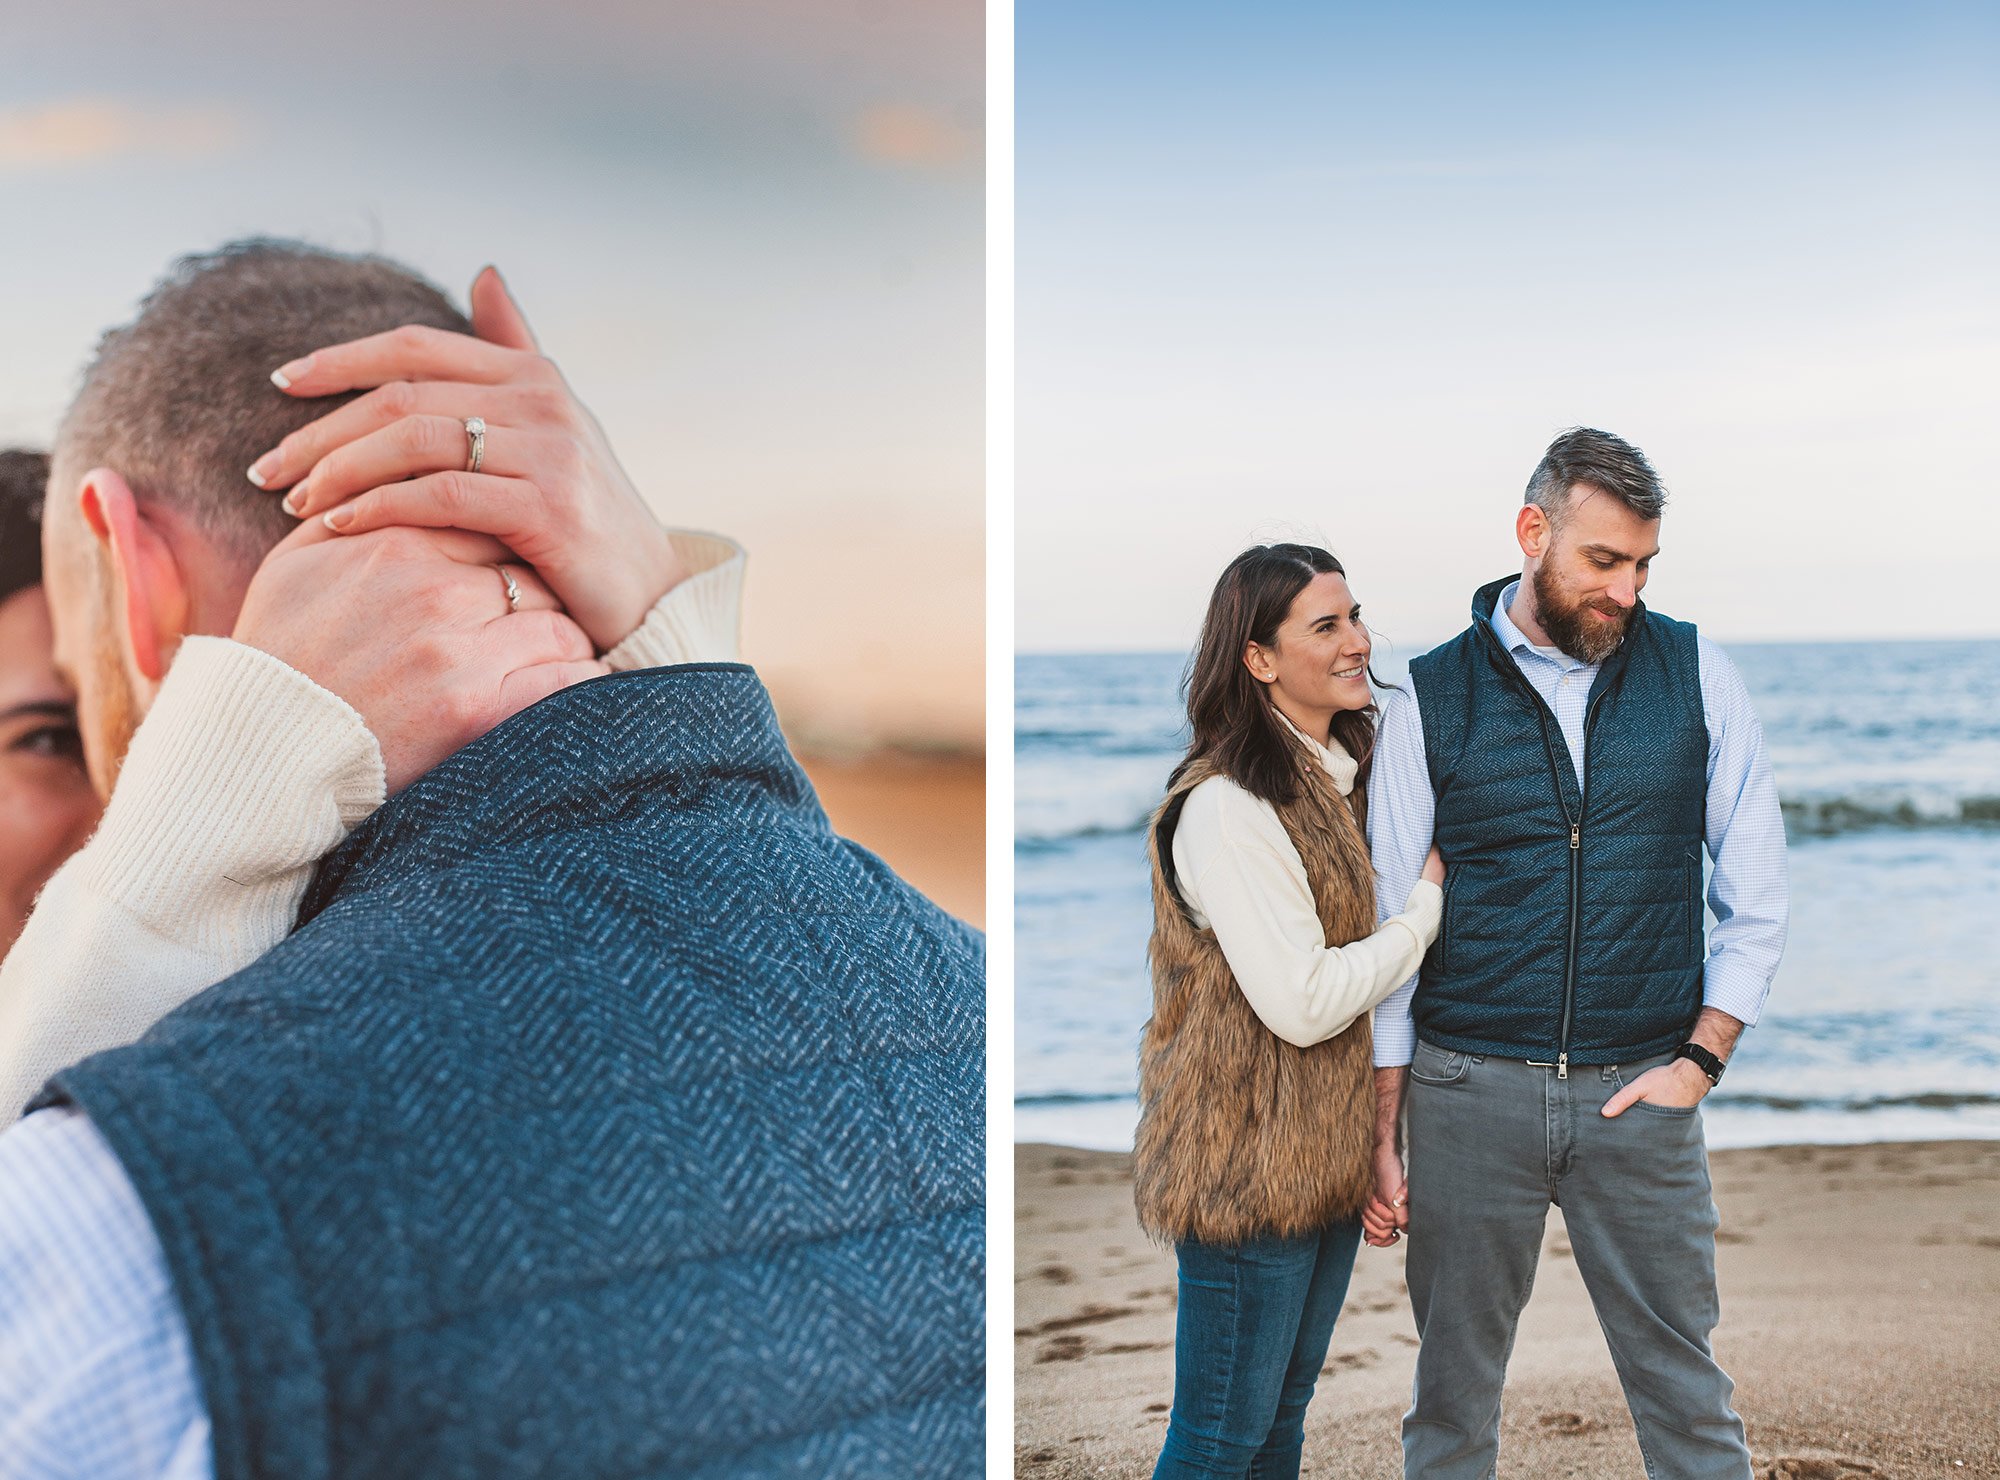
point(243, 775)
point(1424, 913)
point(700, 620)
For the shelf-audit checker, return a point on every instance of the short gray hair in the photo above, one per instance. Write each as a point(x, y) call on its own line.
point(179, 401)
point(1604, 462)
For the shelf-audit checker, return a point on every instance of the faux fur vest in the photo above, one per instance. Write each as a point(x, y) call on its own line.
point(1242, 1134)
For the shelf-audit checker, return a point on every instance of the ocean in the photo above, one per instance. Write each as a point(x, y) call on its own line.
point(1883, 1023)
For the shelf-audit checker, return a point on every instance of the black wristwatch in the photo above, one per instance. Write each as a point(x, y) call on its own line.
point(1705, 1061)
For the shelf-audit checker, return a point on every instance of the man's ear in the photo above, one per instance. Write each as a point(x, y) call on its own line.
point(149, 597)
point(1532, 529)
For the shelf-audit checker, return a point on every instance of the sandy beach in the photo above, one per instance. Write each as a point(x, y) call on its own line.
point(925, 815)
point(1860, 1318)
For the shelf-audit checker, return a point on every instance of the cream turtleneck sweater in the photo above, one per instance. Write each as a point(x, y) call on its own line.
point(1240, 875)
point(244, 774)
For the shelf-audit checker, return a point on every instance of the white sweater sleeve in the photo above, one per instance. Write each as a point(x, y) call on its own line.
point(699, 621)
point(1240, 874)
point(244, 773)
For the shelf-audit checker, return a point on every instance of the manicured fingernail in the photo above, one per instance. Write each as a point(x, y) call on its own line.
point(284, 375)
point(295, 501)
point(338, 519)
point(261, 470)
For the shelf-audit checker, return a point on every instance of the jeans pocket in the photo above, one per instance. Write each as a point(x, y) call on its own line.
point(1647, 1107)
point(1438, 1066)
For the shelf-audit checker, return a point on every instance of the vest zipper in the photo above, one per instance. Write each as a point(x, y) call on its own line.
point(1546, 716)
point(1575, 917)
point(1575, 884)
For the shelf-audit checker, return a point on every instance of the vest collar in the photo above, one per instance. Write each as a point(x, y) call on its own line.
point(658, 739)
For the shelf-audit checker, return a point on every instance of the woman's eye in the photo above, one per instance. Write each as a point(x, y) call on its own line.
point(62, 742)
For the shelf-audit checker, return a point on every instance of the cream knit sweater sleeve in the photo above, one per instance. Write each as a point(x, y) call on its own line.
point(244, 774)
point(1241, 876)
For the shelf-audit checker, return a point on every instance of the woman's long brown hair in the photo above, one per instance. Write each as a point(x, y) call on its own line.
point(1235, 725)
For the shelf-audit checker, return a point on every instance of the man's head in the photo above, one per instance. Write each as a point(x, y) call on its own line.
point(1589, 528)
point(152, 530)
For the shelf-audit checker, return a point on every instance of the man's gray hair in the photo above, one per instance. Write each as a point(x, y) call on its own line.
point(1611, 465)
point(179, 401)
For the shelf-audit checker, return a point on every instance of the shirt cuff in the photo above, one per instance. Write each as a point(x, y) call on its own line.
point(244, 773)
point(699, 620)
point(1394, 1032)
point(1738, 992)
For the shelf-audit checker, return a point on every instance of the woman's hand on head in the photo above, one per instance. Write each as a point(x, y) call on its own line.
point(418, 631)
point(548, 486)
point(1434, 867)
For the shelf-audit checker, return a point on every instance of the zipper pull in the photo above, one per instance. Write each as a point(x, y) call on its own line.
point(1562, 1066)
point(1576, 835)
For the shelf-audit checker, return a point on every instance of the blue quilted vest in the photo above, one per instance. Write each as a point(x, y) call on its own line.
point(1573, 909)
point(606, 1116)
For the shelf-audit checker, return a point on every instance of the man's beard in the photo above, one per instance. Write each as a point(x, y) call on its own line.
point(117, 717)
point(1570, 623)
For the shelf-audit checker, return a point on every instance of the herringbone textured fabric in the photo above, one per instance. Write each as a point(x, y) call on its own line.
point(1507, 792)
point(606, 1117)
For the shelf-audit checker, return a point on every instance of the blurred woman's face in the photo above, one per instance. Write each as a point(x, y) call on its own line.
point(47, 806)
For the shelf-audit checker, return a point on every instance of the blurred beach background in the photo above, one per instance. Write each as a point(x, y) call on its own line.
point(752, 235)
point(1339, 273)
point(1881, 1025)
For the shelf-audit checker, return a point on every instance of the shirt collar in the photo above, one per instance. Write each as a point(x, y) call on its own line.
point(1515, 640)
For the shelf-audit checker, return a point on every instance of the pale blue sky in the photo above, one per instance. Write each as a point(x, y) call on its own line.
point(752, 234)
point(1341, 272)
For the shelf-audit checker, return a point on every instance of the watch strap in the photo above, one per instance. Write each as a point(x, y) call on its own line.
point(1705, 1061)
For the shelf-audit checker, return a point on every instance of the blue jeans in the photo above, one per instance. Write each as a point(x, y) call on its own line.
point(1251, 1333)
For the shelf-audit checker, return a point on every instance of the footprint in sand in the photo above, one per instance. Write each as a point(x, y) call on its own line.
point(1157, 1407)
point(1352, 1360)
point(1056, 1274)
point(1064, 1349)
point(1809, 1467)
point(1568, 1423)
point(1732, 1236)
point(1090, 1315)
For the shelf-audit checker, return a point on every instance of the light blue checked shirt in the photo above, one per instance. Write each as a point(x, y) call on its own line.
point(1745, 828)
point(97, 1378)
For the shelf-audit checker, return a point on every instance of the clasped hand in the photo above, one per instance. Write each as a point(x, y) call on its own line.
point(392, 599)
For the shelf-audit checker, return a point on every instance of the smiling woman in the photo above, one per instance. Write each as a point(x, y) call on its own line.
point(1256, 1099)
point(47, 807)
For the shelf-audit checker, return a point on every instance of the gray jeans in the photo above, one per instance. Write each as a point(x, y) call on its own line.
point(1493, 1142)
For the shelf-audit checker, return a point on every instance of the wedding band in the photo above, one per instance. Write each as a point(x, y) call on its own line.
point(513, 591)
point(475, 437)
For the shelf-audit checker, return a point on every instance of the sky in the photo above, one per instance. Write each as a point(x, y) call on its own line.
point(1340, 273)
point(750, 234)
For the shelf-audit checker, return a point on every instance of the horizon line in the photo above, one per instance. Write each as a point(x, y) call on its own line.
point(1739, 642)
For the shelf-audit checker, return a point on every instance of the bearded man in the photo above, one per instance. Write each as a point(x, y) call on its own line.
point(1570, 754)
point(600, 1111)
